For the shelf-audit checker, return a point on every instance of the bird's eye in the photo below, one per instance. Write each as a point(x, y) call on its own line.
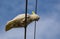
point(28, 16)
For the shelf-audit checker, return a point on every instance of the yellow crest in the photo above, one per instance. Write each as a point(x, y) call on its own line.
point(33, 12)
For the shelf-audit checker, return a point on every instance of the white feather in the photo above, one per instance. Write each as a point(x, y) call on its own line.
point(19, 21)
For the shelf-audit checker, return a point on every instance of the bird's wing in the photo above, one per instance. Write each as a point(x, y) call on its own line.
point(23, 20)
point(20, 17)
point(10, 24)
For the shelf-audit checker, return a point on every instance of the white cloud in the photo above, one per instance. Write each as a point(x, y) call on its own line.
point(48, 27)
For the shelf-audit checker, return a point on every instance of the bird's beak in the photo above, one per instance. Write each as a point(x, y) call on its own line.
point(37, 19)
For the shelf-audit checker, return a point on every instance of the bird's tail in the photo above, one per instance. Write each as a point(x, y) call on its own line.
point(9, 26)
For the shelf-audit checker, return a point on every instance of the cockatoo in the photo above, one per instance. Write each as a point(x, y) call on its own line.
point(19, 21)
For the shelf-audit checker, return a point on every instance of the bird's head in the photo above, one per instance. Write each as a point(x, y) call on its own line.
point(34, 16)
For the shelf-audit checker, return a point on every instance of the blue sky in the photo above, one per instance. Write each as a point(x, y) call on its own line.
point(48, 27)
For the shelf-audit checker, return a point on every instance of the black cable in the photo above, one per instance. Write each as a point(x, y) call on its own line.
point(35, 21)
point(25, 19)
point(35, 31)
point(25, 32)
point(36, 7)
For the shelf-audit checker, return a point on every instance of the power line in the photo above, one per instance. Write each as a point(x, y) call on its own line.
point(35, 21)
point(25, 19)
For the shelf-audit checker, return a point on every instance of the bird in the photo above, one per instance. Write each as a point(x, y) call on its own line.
point(19, 21)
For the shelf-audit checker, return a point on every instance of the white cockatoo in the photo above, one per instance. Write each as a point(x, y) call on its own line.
point(19, 21)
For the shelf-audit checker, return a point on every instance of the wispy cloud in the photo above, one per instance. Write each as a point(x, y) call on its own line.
point(48, 27)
